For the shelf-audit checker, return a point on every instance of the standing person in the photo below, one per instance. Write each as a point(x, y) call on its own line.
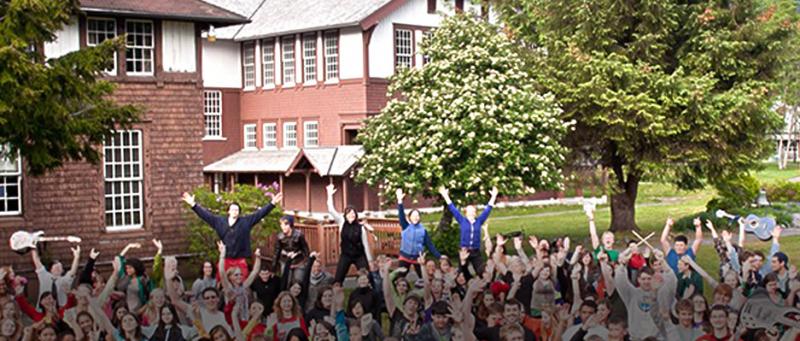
point(56, 281)
point(414, 238)
point(353, 237)
point(291, 247)
point(233, 230)
point(680, 247)
point(606, 244)
point(471, 226)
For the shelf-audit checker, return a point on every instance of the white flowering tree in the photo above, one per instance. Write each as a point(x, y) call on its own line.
point(468, 120)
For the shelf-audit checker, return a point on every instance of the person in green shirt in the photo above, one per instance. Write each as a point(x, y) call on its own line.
point(607, 242)
point(689, 281)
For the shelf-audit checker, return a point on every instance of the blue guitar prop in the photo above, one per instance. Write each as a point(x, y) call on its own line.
point(761, 227)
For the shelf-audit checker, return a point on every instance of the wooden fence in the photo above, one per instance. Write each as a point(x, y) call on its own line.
point(323, 237)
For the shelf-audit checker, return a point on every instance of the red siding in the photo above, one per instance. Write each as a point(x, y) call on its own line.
point(214, 150)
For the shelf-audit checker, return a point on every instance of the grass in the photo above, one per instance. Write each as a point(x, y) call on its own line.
point(771, 173)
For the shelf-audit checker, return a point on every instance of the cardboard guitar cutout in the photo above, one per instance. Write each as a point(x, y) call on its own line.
point(760, 226)
point(23, 241)
point(759, 312)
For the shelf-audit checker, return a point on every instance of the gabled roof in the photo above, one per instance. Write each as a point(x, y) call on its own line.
point(190, 10)
point(245, 8)
point(278, 17)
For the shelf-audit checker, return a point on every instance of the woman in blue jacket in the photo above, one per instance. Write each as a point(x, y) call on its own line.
point(414, 238)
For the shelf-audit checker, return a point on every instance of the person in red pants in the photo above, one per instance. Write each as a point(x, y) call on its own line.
point(233, 230)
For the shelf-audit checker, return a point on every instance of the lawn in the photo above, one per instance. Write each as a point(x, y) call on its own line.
point(656, 202)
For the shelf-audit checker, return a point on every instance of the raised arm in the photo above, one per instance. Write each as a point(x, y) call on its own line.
point(401, 213)
point(608, 277)
point(201, 212)
point(488, 209)
point(111, 283)
point(387, 287)
point(776, 246)
point(86, 273)
point(445, 195)
point(497, 256)
point(37, 262)
point(593, 229)
point(221, 266)
point(100, 318)
point(338, 218)
point(702, 272)
point(698, 235)
point(76, 258)
point(665, 245)
point(740, 221)
point(158, 264)
point(256, 266)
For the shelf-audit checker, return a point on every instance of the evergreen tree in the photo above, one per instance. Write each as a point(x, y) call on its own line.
point(52, 110)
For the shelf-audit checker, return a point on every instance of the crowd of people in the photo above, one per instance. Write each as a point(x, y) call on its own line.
point(494, 290)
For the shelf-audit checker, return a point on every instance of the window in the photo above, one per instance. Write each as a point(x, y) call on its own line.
point(290, 134)
point(249, 136)
point(249, 64)
point(212, 112)
point(331, 55)
point(122, 153)
point(139, 47)
point(99, 30)
point(268, 61)
point(431, 6)
point(425, 58)
point(10, 184)
point(403, 50)
point(269, 132)
point(310, 57)
point(311, 134)
point(287, 47)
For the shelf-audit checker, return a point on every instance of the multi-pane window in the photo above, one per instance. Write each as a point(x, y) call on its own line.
point(311, 134)
point(310, 57)
point(269, 132)
point(287, 48)
point(10, 184)
point(403, 48)
point(290, 134)
point(139, 47)
point(99, 30)
point(249, 63)
point(425, 58)
point(249, 136)
point(331, 43)
point(123, 174)
point(268, 61)
point(212, 111)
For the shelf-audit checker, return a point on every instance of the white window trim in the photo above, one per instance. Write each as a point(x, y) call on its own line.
point(152, 49)
point(303, 38)
point(285, 138)
point(244, 67)
point(135, 227)
point(338, 58)
point(266, 85)
point(264, 136)
point(20, 193)
point(294, 62)
point(244, 136)
point(112, 72)
point(212, 137)
point(395, 55)
point(305, 133)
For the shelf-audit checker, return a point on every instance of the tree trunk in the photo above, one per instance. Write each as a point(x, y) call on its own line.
point(623, 196)
point(623, 210)
point(446, 220)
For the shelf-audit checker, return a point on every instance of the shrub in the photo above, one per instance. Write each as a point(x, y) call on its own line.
point(685, 224)
point(203, 239)
point(734, 192)
point(447, 242)
point(783, 191)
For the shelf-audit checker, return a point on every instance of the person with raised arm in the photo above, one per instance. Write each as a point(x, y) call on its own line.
point(55, 281)
point(606, 244)
point(234, 230)
point(680, 247)
point(470, 224)
point(353, 238)
point(414, 238)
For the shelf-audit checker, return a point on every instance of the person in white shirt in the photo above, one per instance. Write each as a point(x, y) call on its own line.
point(55, 279)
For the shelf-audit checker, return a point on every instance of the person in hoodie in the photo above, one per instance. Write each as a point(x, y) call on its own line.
point(414, 238)
point(353, 236)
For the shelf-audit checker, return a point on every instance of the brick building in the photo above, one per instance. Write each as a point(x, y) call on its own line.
point(134, 193)
point(287, 93)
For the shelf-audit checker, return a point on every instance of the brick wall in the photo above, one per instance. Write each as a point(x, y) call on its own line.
point(70, 200)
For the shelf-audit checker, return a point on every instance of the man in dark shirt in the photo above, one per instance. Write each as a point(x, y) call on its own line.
point(291, 247)
point(233, 230)
point(266, 287)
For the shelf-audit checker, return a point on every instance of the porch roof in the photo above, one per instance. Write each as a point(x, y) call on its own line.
point(325, 161)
